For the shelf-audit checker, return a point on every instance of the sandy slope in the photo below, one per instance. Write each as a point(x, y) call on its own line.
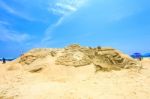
point(63, 82)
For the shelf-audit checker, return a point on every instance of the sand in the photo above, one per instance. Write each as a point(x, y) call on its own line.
point(35, 75)
point(63, 82)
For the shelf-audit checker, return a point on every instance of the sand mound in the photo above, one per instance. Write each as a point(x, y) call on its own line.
point(69, 73)
point(75, 55)
point(102, 58)
point(31, 56)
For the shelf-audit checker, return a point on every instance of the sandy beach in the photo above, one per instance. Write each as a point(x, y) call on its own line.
point(68, 82)
point(74, 49)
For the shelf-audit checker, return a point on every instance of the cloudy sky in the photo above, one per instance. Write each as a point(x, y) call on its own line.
point(27, 24)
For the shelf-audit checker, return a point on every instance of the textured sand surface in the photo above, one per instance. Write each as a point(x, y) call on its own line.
point(61, 82)
point(71, 73)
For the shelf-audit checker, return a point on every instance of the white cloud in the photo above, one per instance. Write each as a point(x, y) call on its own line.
point(62, 8)
point(65, 7)
point(8, 35)
point(47, 35)
point(15, 12)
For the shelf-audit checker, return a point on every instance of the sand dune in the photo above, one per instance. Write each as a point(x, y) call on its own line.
point(39, 75)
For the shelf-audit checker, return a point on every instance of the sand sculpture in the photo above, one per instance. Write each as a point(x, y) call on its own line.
point(75, 72)
point(75, 55)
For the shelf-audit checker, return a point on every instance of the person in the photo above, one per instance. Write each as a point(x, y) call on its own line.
point(4, 60)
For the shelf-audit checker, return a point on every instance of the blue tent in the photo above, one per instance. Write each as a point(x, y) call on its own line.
point(136, 55)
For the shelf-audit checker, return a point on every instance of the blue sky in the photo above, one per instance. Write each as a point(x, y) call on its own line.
point(27, 24)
